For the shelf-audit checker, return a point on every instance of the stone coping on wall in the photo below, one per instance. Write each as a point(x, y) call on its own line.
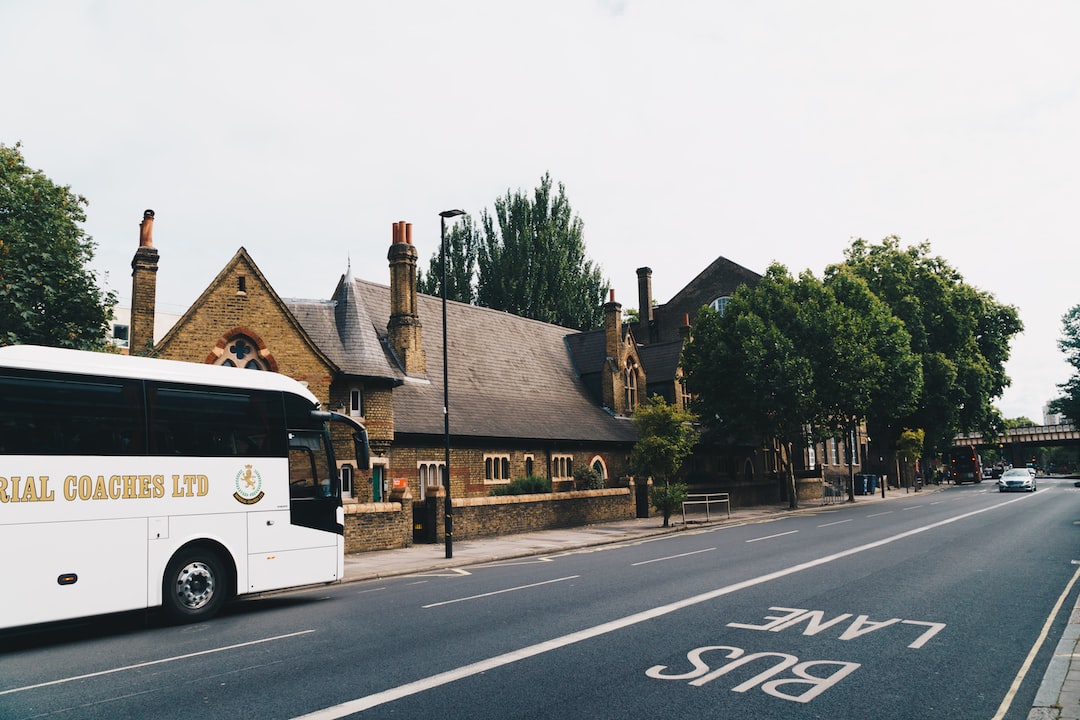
point(537, 497)
point(356, 508)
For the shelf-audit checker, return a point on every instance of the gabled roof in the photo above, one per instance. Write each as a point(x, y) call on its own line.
point(343, 330)
point(242, 259)
point(510, 377)
point(661, 361)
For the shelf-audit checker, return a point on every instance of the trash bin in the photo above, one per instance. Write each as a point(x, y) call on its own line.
point(865, 484)
point(871, 484)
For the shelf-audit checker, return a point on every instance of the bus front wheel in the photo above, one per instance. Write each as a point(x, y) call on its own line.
point(195, 585)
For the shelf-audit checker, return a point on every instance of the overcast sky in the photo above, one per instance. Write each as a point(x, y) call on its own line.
point(760, 131)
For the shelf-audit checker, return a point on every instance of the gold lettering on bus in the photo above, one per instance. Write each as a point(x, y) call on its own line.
point(29, 489)
point(190, 485)
point(115, 487)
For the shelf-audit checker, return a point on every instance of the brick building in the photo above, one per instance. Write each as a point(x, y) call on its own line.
point(518, 401)
point(526, 397)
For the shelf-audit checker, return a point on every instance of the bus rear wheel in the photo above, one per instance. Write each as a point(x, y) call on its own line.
point(195, 585)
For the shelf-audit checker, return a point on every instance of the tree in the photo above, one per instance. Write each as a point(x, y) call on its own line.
point(863, 364)
point(47, 295)
point(461, 244)
point(666, 437)
point(1069, 403)
point(804, 360)
point(960, 334)
point(767, 387)
point(909, 448)
point(531, 261)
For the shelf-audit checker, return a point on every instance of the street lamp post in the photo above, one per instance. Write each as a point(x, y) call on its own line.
point(448, 506)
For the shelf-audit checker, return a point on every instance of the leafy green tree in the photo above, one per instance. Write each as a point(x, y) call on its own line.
point(461, 245)
point(666, 437)
point(863, 364)
point(531, 261)
point(909, 447)
point(767, 387)
point(960, 334)
point(47, 295)
point(1069, 403)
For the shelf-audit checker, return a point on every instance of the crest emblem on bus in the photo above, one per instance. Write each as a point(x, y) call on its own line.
point(248, 486)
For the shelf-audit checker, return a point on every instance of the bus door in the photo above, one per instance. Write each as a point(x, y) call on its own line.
point(314, 491)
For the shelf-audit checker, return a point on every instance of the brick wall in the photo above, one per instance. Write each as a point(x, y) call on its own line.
point(487, 516)
point(378, 526)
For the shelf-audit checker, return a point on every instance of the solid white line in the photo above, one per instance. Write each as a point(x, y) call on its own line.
point(423, 684)
point(838, 522)
point(498, 592)
point(672, 557)
point(153, 662)
point(1007, 701)
point(770, 537)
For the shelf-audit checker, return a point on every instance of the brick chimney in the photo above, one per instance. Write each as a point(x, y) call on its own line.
point(646, 332)
point(612, 375)
point(404, 331)
point(144, 267)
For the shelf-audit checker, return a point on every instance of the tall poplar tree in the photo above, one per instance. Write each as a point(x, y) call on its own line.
point(461, 244)
point(531, 261)
point(47, 294)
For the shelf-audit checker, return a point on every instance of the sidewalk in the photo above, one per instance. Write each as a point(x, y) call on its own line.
point(1058, 697)
point(427, 558)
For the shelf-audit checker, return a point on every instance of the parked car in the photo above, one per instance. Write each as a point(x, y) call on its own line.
point(1018, 479)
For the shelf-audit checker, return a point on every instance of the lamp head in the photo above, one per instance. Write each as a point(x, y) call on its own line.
point(451, 213)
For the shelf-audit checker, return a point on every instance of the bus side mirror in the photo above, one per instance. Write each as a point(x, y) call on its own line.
point(363, 452)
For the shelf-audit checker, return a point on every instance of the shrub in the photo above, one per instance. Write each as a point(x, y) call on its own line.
point(588, 479)
point(668, 498)
point(527, 485)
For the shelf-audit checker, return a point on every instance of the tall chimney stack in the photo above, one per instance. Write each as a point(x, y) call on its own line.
point(404, 331)
point(144, 267)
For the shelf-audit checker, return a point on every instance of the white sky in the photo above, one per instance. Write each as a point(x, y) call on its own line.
point(683, 131)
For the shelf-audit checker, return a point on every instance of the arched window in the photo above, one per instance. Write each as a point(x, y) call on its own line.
point(242, 352)
point(631, 385)
point(720, 303)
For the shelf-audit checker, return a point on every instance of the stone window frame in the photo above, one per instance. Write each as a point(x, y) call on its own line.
point(562, 466)
point(425, 469)
point(221, 351)
point(496, 468)
point(630, 389)
point(356, 402)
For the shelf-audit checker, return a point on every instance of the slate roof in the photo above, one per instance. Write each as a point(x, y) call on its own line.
point(661, 361)
point(342, 329)
point(510, 377)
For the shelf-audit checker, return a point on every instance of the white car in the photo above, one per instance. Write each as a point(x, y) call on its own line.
point(1017, 479)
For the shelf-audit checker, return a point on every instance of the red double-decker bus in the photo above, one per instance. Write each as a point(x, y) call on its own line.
point(964, 465)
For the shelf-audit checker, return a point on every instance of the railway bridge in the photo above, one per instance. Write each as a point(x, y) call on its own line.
point(1018, 444)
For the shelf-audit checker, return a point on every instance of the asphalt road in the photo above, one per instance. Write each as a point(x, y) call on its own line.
point(941, 605)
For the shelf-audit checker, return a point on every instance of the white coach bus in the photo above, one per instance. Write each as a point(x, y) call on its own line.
point(128, 483)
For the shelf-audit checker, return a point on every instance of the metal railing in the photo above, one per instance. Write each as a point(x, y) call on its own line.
point(706, 499)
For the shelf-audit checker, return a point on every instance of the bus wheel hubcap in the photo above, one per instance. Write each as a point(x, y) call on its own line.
point(195, 585)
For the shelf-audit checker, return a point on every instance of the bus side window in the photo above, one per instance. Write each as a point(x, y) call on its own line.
point(301, 473)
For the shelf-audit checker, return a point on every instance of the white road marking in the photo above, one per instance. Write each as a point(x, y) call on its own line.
point(838, 522)
point(672, 557)
point(770, 537)
point(423, 684)
point(1022, 673)
point(499, 592)
point(154, 662)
